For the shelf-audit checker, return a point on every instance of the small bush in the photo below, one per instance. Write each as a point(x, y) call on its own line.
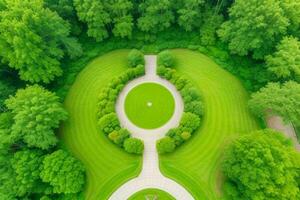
point(135, 58)
point(185, 135)
point(165, 145)
point(195, 107)
point(175, 134)
point(134, 145)
point(166, 58)
point(109, 123)
point(189, 122)
point(118, 137)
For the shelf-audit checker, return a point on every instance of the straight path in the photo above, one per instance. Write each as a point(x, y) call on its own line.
point(150, 176)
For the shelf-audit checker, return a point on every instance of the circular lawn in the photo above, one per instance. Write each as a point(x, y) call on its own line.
point(149, 105)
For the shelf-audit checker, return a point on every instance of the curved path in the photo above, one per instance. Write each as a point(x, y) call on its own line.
point(150, 176)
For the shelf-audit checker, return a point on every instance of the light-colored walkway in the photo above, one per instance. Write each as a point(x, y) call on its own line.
point(150, 176)
point(276, 123)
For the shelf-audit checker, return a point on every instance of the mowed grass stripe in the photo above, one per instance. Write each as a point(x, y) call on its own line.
point(196, 165)
point(107, 165)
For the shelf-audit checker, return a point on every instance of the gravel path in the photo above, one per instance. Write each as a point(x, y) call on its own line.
point(150, 176)
point(276, 123)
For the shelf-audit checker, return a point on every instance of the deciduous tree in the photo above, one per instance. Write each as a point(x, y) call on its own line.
point(254, 26)
point(282, 100)
point(285, 62)
point(36, 113)
point(33, 40)
point(262, 165)
point(63, 172)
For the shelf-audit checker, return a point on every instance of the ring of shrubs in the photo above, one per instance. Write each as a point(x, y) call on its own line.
point(108, 121)
point(193, 105)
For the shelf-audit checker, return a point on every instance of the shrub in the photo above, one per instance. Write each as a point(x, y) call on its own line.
point(165, 145)
point(166, 58)
point(195, 107)
point(134, 145)
point(185, 135)
point(109, 123)
point(175, 134)
point(189, 122)
point(118, 137)
point(135, 58)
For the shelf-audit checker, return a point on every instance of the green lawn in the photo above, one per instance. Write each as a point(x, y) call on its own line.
point(149, 194)
point(107, 166)
point(149, 105)
point(196, 164)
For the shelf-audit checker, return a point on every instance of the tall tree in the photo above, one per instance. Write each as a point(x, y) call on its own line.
point(282, 100)
point(94, 13)
point(58, 163)
point(291, 9)
point(155, 15)
point(34, 39)
point(190, 14)
point(262, 165)
point(122, 20)
point(285, 62)
point(36, 112)
point(254, 26)
point(27, 167)
point(66, 10)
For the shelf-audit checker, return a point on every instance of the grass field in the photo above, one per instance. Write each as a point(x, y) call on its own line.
point(196, 164)
point(107, 166)
point(149, 194)
point(149, 105)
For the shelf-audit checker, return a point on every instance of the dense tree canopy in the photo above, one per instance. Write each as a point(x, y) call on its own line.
point(285, 62)
point(262, 165)
point(36, 112)
point(63, 172)
point(282, 100)
point(254, 26)
point(156, 15)
point(40, 38)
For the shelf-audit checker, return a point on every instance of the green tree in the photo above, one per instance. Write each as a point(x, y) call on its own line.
point(63, 172)
point(285, 62)
point(134, 145)
point(135, 58)
point(33, 40)
point(189, 122)
point(282, 100)
point(254, 26)
point(155, 15)
point(66, 10)
point(190, 12)
point(36, 112)
point(6, 90)
point(165, 145)
point(120, 13)
point(262, 165)
point(27, 166)
point(292, 11)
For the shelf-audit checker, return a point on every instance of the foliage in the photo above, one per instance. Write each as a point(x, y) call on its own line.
point(135, 58)
point(189, 122)
point(190, 14)
point(118, 137)
point(109, 123)
point(156, 15)
point(6, 90)
point(40, 40)
point(165, 145)
point(134, 145)
point(63, 172)
point(254, 26)
point(36, 112)
point(262, 165)
point(282, 100)
point(285, 62)
point(166, 58)
point(27, 166)
point(66, 10)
